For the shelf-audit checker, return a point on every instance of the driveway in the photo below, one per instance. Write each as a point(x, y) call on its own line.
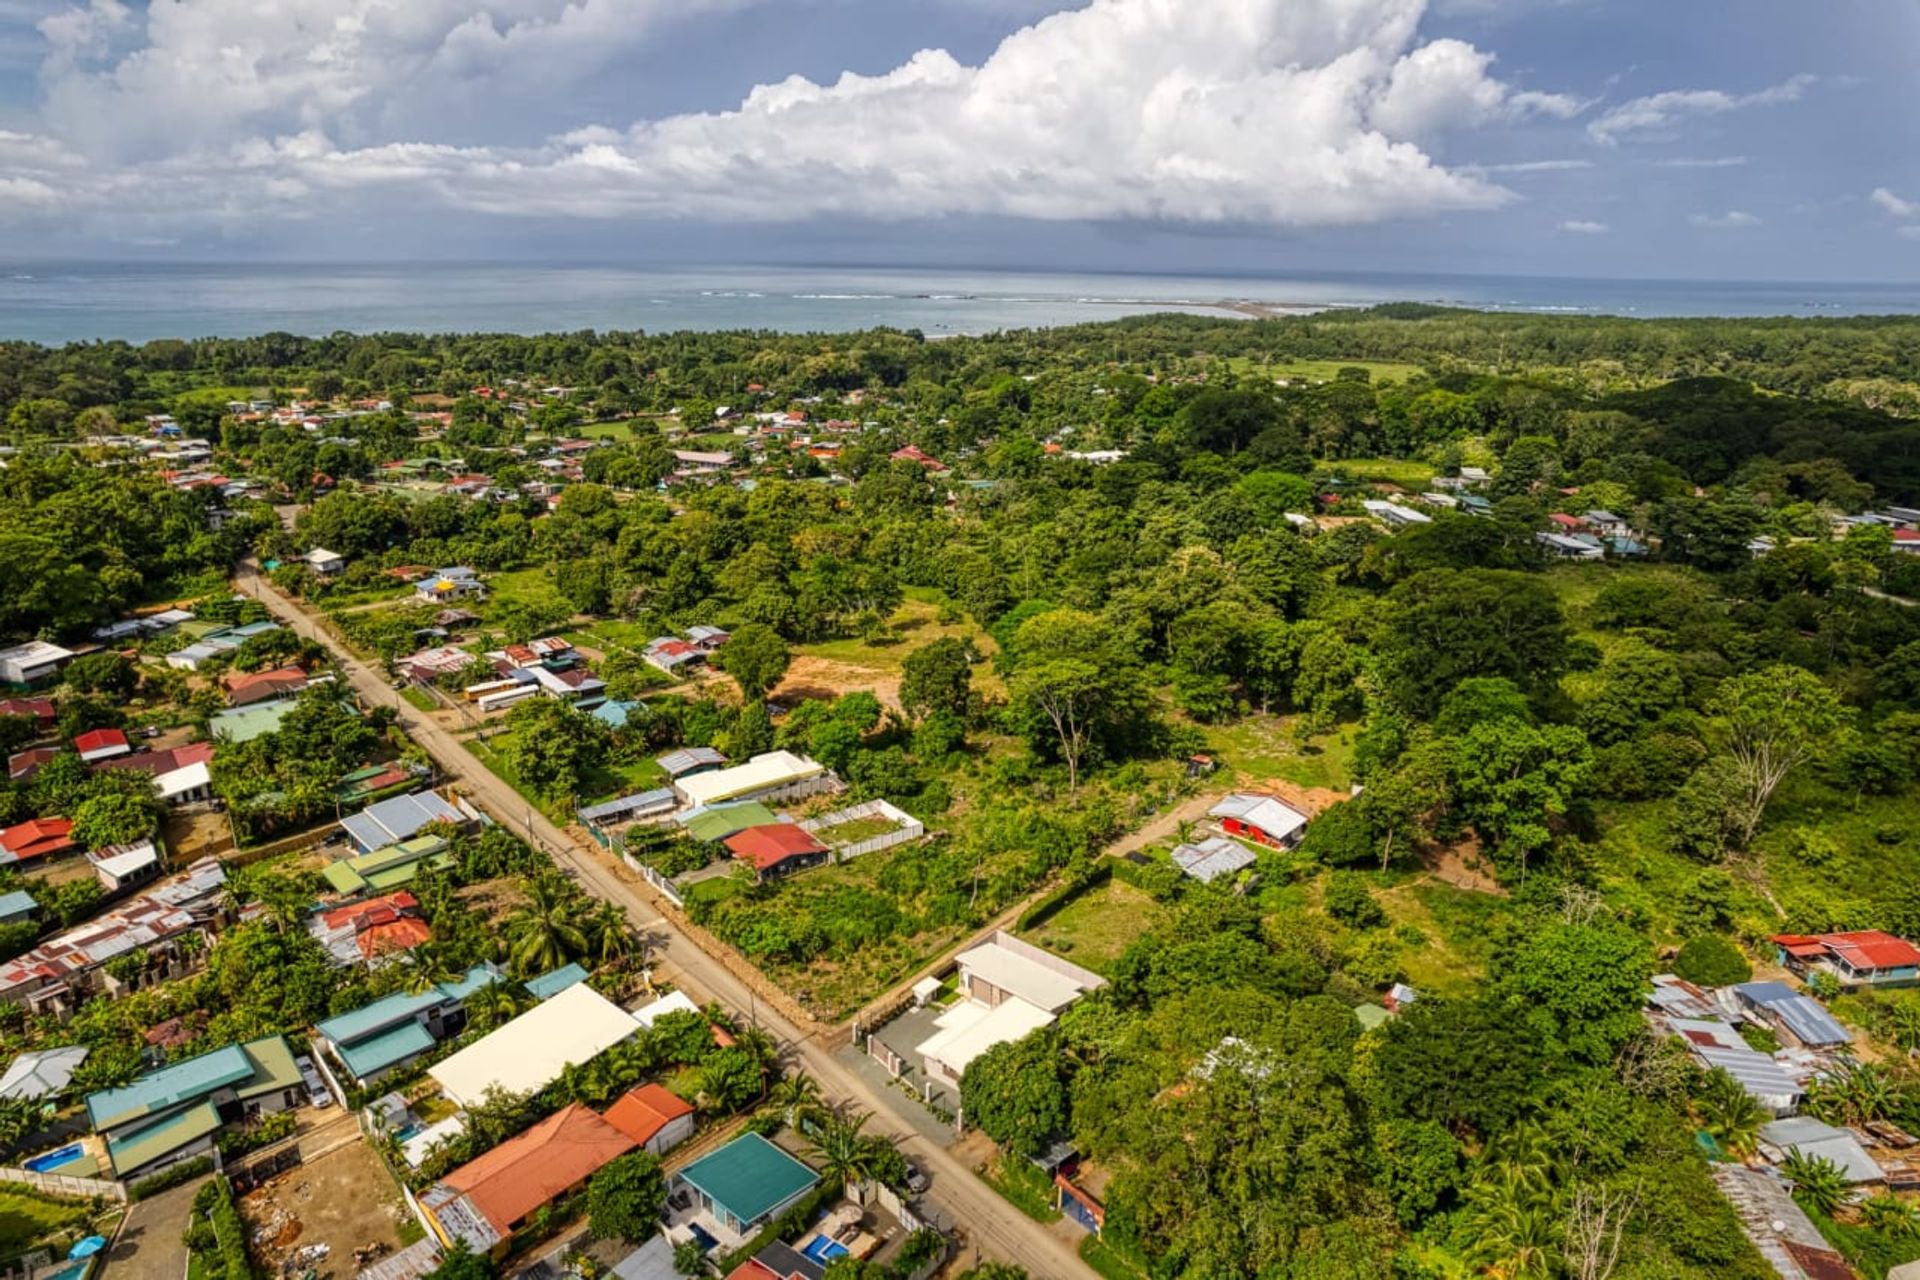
point(148, 1247)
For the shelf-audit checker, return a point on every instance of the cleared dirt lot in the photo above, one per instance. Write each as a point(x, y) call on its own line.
point(344, 1199)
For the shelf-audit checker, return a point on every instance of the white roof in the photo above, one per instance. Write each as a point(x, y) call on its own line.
point(320, 555)
point(416, 1149)
point(1272, 815)
point(132, 857)
point(178, 782)
point(968, 1030)
point(1816, 1138)
point(673, 1002)
point(1019, 976)
point(34, 653)
point(1212, 858)
point(762, 773)
point(35, 1075)
point(528, 1054)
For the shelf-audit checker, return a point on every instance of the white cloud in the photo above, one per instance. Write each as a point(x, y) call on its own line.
point(1888, 202)
point(1732, 219)
point(1534, 166)
point(1656, 115)
point(1276, 112)
point(1700, 162)
point(1584, 227)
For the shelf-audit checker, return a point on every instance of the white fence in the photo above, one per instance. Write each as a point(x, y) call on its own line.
point(60, 1184)
point(906, 827)
point(652, 877)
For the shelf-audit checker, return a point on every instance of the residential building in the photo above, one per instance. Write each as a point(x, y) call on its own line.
point(1819, 1140)
point(1799, 1018)
point(173, 1113)
point(1607, 524)
point(1563, 546)
point(102, 744)
point(741, 1187)
point(776, 849)
point(245, 689)
point(372, 931)
point(1865, 958)
point(642, 804)
point(484, 1201)
point(1213, 858)
point(1715, 1045)
point(32, 662)
point(181, 775)
point(324, 562)
point(915, 454)
point(444, 586)
point(387, 869)
point(654, 1117)
point(708, 639)
point(670, 653)
point(715, 823)
point(428, 664)
point(56, 975)
point(529, 1053)
point(375, 1040)
point(244, 724)
point(1394, 515)
point(771, 776)
point(547, 985)
point(124, 866)
point(1779, 1228)
point(690, 760)
point(1263, 819)
point(39, 710)
point(399, 818)
point(36, 839)
point(42, 1073)
point(23, 765)
point(17, 907)
point(1011, 989)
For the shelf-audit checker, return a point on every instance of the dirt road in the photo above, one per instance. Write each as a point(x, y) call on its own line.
point(996, 1228)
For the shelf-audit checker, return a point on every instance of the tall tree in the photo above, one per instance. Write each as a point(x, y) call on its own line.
point(1772, 722)
point(756, 657)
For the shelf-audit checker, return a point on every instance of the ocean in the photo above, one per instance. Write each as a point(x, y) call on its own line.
point(74, 302)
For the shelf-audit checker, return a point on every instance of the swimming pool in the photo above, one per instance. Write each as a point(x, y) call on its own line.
point(54, 1159)
point(822, 1250)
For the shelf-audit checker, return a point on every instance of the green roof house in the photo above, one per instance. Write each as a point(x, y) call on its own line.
point(717, 822)
point(746, 1183)
point(172, 1113)
point(385, 870)
point(378, 1039)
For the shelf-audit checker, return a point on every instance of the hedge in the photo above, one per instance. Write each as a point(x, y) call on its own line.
point(216, 1201)
point(167, 1179)
point(1096, 875)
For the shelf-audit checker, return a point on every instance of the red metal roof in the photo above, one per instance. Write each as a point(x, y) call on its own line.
point(768, 846)
point(521, 1174)
point(99, 739)
point(38, 708)
point(38, 838)
point(643, 1112)
point(1872, 949)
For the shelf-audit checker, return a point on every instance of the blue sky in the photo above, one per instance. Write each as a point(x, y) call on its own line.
point(1724, 139)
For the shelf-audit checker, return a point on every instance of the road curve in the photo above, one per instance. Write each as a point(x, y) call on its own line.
point(995, 1228)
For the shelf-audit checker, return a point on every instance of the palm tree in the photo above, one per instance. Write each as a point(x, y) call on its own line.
point(430, 966)
point(1890, 1214)
point(1729, 1113)
point(545, 932)
point(608, 937)
point(1514, 1235)
point(797, 1099)
point(494, 1004)
point(1818, 1182)
point(842, 1149)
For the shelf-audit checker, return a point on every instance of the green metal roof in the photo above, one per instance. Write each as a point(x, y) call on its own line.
point(749, 1177)
point(717, 822)
point(378, 1052)
point(390, 867)
point(553, 983)
point(273, 1067)
point(402, 1006)
point(169, 1086)
point(244, 724)
point(142, 1147)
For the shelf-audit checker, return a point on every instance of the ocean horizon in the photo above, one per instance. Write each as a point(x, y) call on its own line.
point(55, 303)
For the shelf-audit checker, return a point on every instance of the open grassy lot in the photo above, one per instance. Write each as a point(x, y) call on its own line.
point(525, 587)
point(27, 1218)
point(608, 779)
point(1323, 370)
point(1096, 927)
point(1264, 747)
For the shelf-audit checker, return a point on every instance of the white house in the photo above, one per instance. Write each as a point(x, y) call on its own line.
point(1395, 515)
point(1564, 546)
point(1012, 989)
point(323, 561)
point(32, 662)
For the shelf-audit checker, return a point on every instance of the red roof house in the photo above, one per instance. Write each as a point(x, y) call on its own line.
point(914, 453)
point(378, 926)
point(1866, 957)
point(653, 1116)
point(777, 849)
point(1570, 524)
point(261, 686)
point(483, 1200)
point(22, 765)
point(40, 838)
point(155, 763)
point(40, 709)
point(98, 744)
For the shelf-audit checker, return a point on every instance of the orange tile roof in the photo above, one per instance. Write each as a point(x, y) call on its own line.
point(643, 1112)
point(521, 1174)
point(768, 846)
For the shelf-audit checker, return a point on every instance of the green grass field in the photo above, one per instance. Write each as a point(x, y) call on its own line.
point(1263, 747)
point(26, 1218)
point(1096, 927)
point(524, 587)
point(1323, 370)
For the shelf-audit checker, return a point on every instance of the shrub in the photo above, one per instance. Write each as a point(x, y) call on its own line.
point(1349, 901)
point(1711, 961)
point(167, 1179)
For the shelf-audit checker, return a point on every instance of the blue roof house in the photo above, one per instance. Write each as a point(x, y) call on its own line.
point(375, 1040)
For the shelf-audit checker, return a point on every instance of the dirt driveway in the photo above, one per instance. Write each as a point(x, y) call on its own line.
point(344, 1199)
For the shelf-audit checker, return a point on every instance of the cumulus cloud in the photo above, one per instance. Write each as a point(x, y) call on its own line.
point(1657, 115)
point(1276, 112)
point(1731, 220)
point(1888, 202)
point(1584, 227)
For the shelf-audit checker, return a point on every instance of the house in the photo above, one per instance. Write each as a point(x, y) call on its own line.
point(40, 710)
point(35, 839)
point(17, 907)
point(714, 823)
point(428, 664)
point(915, 454)
point(1606, 524)
point(529, 1053)
point(245, 689)
point(744, 1185)
point(670, 653)
point(1563, 546)
point(1394, 515)
point(1801, 1019)
point(547, 985)
point(1564, 523)
point(481, 1204)
point(1714, 1045)
point(375, 1040)
point(708, 639)
point(1011, 989)
point(1263, 819)
point(123, 866)
point(614, 713)
point(581, 688)
point(42, 1073)
point(1865, 958)
point(1212, 858)
point(444, 586)
point(1820, 1140)
point(57, 974)
point(23, 765)
point(173, 1113)
point(324, 562)
point(32, 662)
point(776, 849)
point(654, 1117)
point(244, 724)
point(399, 818)
point(102, 744)
point(771, 776)
point(1779, 1228)
point(372, 931)
point(181, 775)
point(631, 808)
point(389, 868)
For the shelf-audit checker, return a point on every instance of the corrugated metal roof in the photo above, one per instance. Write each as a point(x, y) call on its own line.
point(398, 818)
point(1209, 859)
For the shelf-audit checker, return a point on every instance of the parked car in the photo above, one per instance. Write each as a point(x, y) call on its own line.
point(916, 1178)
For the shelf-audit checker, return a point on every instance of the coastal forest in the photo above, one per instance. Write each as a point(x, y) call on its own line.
point(1113, 558)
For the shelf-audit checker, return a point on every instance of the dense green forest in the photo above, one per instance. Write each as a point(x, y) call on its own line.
point(1696, 748)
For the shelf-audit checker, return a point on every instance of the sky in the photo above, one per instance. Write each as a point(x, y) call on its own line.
point(1685, 139)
